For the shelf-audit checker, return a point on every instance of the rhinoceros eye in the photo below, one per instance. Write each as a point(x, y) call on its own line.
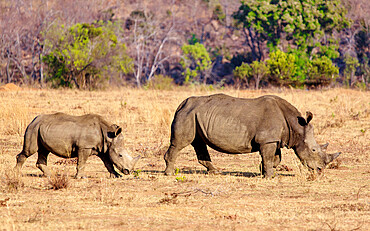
point(314, 149)
point(120, 155)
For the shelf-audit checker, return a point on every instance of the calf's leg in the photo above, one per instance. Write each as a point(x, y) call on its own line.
point(82, 156)
point(109, 165)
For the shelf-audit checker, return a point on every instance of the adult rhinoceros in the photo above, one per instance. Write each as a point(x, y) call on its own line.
point(75, 136)
point(236, 125)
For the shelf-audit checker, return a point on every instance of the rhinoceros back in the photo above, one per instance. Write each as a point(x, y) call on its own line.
point(62, 134)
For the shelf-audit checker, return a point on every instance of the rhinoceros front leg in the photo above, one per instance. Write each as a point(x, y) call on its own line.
point(277, 157)
point(42, 161)
point(267, 152)
point(203, 155)
point(82, 156)
point(109, 165)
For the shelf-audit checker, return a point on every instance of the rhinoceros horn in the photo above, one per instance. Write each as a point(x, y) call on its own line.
point(330, 157)
point(134, 161)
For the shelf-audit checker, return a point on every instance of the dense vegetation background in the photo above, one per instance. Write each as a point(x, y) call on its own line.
point(93, 44)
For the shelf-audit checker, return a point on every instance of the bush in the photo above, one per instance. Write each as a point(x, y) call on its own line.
point(256, 71)
point(58, 181)
point(281, 67)
point(160, 82)
point(84, 54)
point(321, 71)
point(196, 63)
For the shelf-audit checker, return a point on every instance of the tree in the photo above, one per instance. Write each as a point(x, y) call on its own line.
point(255, 71)
point(302, 28)
point(321, 71)
point(150, 35)
point(196, 62)
point(281, 67)
point(242, 74)
point(83, 53)
point(300, 22)
point(351, 66)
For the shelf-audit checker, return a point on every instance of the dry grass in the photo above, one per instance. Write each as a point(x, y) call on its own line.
point(147, 200)
point(59, 181)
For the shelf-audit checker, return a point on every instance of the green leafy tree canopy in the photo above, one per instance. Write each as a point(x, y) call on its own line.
point(196, 62)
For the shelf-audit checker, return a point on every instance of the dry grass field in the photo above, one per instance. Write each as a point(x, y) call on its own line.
point(238, 199)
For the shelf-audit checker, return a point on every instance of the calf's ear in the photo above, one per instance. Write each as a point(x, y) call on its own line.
point(114, 131)
point(302, 121)
point(309, 116)
point(324, 147)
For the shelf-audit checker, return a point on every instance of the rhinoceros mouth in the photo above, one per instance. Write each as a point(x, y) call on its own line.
point(125, 171)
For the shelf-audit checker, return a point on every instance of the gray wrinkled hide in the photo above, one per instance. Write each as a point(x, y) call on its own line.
point(75, 136)
point(236, 125)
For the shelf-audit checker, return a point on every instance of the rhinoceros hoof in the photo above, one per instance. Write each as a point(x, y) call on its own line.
point(214, 172)
point(115, 175)
point(80, 177)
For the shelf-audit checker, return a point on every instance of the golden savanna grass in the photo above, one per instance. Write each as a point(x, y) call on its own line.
point(192, 200)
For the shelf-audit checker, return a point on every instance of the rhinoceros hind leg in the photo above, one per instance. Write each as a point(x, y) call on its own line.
point(267, 152)
point(170, 159)
point(109, 165)
point(42, 161)
point(21, 158)
point(204, 159)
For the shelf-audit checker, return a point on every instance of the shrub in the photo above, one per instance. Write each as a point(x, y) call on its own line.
point(281, 67)
point(12, 181)
point(160, 82)
point(58, 181)
point(196, 63)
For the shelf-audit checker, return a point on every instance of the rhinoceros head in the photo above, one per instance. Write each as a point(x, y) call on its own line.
point(117, 153)
point(310, 153)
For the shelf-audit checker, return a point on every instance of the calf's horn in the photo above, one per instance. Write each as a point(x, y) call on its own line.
point(331, 157)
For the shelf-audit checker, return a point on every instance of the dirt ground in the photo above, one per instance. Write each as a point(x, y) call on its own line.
point(238, 199)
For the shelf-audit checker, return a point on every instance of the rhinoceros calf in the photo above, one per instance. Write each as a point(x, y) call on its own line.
point(75, 136)
point(236, 125)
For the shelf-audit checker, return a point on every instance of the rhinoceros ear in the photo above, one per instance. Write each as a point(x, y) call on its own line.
point(114, 131)
point(324, 147)
point(309, 116)
point(302, 121)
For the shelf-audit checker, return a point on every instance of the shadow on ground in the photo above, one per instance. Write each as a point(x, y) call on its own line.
point(226, 173)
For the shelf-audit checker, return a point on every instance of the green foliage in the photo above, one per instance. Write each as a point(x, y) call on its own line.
point(218, 14)
point(243, 72)
point(180, 178)
point(281, 67)
point(299, 21)
point(297, 26)
point(84, 54)
point(193, 40)
point(196, 62)
point(321, 70)
point(255, 71)
point(297, 69)
point(136, 173)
